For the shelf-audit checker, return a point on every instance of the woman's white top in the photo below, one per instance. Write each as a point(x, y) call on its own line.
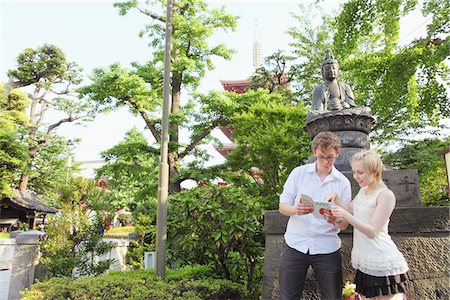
point(377, 256)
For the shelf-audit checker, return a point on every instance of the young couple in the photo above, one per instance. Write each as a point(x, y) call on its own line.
point(381, 270)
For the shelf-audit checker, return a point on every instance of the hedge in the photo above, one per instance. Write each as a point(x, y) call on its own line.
point(186, 283)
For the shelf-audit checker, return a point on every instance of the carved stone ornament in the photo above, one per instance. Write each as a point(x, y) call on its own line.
point(357, 119)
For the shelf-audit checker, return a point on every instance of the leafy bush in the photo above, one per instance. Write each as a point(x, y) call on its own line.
point(73, 237)
point(422, 155)
point(221, 226)
point(144, 217)
point(185, 283)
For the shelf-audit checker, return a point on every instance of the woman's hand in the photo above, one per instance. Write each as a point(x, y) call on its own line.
point(338, 212)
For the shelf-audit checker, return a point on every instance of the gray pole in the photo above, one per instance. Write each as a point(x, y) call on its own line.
point(163, 182)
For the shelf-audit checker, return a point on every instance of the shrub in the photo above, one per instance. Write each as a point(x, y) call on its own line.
point(185, 283)
point(221, 226)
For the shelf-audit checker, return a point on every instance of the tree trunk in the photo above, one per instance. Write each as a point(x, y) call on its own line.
point(174, 186)
point(25, 176)
point(174, 159)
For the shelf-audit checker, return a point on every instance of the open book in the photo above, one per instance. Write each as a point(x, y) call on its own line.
point(319, 207)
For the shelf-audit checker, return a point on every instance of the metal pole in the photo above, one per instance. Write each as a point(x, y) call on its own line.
point(163, 182)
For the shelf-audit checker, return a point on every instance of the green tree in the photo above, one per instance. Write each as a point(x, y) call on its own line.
point(405, 86)
point(141, 89)
point(270, 137)
point(51, 168)
point(12, 150)
point(48, 75)
point(276, 74)
point(309, 43)
point(422, 155)
point(131, 170)
point(73, 235)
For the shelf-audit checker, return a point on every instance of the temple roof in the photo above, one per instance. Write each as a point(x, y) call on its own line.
point(237, 86)
point(28, 200)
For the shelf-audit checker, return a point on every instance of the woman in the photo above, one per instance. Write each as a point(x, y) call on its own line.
point(381, 269)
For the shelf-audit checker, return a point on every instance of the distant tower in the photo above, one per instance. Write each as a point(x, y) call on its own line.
point(240, 86)
point(256, 47)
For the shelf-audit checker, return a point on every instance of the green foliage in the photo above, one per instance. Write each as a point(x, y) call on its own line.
point(73, 235)
point(50, 77)
point(144, 219)
point(440, 10)
point(221, 226)
point(43, 66)
point(50, 169)
point(141, 89)
point(269, 136)
point(184, 283)
point(131, 170)
point(405, 86)
point(12, 149)
point(24, 226)
point(422, 155)
point(309, 43)
point(193, 23)
point(276, 73)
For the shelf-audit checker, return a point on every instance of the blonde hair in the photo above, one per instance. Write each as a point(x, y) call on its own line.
point(371, 162)
point(326, 140)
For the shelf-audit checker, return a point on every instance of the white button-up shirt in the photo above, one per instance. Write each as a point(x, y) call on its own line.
point(306, 232)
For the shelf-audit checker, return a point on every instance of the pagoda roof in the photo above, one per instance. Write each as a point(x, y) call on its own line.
point(235, 82)
point(225, 149)
point(237, 86)
point(28, 200)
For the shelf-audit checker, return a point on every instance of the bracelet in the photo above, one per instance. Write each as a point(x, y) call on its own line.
point(339, 221)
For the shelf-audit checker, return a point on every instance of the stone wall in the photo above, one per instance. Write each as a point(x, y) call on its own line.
point(420, 233)
point(19, 266)
point(18, 258)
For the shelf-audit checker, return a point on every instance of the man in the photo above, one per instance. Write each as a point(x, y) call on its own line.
point(331, 95)
point(312, 241)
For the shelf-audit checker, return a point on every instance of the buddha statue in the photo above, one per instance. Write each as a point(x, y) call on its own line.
point(331, 95)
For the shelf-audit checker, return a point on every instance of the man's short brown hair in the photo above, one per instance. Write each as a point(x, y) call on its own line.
point(326, 140)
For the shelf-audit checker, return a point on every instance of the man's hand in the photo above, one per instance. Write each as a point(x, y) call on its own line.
point(303, 209)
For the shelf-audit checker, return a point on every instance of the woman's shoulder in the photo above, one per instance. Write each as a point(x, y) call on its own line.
point(386, 192)
point(386, 195)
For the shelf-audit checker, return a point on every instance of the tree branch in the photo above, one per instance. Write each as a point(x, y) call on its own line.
point(151, 15)
point(150, 124)
point(199, 138)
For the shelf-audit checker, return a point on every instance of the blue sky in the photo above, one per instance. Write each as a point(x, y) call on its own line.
point(92, 34)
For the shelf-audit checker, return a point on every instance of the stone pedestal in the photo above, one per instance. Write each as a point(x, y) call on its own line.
point(421, 234)
point(351, 125)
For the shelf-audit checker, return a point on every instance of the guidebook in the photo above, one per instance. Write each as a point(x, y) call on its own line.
point(319, 207)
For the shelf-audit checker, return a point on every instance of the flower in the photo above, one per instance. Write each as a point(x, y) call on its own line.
point(348, 292)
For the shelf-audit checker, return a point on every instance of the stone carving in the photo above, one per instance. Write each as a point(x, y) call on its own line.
point(333, 108)
point(331, 95)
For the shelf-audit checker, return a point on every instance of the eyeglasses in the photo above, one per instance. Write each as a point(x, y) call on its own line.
point(328, 158)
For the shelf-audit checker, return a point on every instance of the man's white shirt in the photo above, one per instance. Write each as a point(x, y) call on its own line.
point(306, 232)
